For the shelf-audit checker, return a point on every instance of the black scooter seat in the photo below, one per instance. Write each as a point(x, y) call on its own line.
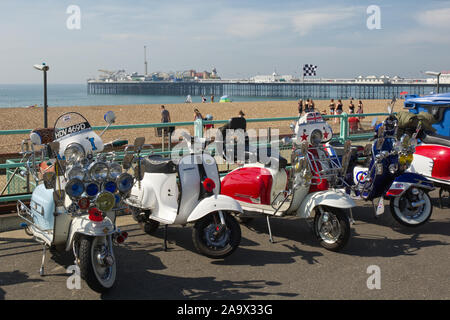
point(158, 164)
point(436, 139)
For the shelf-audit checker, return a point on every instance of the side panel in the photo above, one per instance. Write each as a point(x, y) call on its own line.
point(422, 165)
point(334, 199)
point(42, 207)
point(441, 158)
point(190, 184)
point(248, 184)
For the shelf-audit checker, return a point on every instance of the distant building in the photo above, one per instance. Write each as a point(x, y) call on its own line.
point(444, 78)
point(274, 77)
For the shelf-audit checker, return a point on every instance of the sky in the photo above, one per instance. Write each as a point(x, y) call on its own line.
point(240, 38)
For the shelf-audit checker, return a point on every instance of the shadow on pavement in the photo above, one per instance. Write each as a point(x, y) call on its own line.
point(12, 278)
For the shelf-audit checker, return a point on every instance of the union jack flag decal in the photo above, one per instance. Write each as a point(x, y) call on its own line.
point(314, 117)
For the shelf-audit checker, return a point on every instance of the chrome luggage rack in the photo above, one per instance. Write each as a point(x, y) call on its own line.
point(25, 213)
point(324, 165)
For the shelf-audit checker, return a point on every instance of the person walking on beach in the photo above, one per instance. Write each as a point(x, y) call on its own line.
point(360, 109)
point(300, 107)
point(165, 117)
point(212, 98)
point(197, 114)
point(203, 99)
point(339, 108)
point(307, 106)
point(351, 107)
point(332, 106)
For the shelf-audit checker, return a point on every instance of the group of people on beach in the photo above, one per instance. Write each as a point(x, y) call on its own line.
point(165, 117)
point(335, 108)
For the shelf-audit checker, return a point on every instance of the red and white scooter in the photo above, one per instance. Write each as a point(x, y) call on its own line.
point(301, 191)
point(432, 160)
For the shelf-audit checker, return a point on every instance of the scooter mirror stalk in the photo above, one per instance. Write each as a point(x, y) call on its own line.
point(139, 143)
point(49, 180)
point(110, 117)
point(127, 160)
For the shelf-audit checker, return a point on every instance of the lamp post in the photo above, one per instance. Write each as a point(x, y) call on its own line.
point(44, 68)
point(436, 74)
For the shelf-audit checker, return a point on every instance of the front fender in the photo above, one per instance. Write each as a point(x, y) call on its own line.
point(406, 181)
point(335, 199)
point(214, 203)
point(83, 225)
point(415, 179)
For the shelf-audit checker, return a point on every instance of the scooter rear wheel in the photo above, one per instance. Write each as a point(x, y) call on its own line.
point(405, 214)
point(332, 228)
point(221, 246)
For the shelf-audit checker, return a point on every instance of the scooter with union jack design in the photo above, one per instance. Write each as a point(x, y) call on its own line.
point(267, 187)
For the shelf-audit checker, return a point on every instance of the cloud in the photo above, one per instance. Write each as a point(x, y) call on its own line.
point(305, 22)
point(251, 25)
point(438, 18)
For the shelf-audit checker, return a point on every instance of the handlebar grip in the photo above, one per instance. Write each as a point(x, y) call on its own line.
point(119, 143)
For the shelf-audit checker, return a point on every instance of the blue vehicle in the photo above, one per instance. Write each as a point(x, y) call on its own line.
point(385, 176)
point(438, 105)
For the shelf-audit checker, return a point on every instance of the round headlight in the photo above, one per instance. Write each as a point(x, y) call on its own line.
point(74, 188)
point(115, 170)
point(74, 153)
point(125, 182)
point(409, 158)
point(92, 189)
point(98, 171)
point(316, 137)
point(76, 172)
point(402, 159)
point(105, 201)
point(110, 186)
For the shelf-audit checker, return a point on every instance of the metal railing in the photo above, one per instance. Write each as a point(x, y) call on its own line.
point(198, 132)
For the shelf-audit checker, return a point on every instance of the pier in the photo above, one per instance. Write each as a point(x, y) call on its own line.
point(326, 89)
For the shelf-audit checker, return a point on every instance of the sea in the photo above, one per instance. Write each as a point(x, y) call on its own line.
point(62, 95)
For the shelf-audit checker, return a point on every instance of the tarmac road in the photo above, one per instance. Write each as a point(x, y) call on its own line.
point(414, 264)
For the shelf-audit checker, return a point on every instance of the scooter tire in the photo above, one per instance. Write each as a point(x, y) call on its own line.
point(199, 239)
point(85, 262)
point(344, 227)
point(403, 221)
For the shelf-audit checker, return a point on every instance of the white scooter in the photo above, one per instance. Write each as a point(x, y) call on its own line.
point(186, 192)
point(75, 206)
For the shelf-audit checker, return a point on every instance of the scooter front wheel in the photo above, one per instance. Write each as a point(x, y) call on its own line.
point(413, 208)
point(211, 240)
point(97, 263)
point(332, 228)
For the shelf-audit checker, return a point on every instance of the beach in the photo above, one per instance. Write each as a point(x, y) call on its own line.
point(31, 118)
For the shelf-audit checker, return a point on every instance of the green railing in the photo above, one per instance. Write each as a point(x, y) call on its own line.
point(198, 131)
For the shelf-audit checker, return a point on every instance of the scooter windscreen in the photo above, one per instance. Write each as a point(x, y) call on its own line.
point(74, 132)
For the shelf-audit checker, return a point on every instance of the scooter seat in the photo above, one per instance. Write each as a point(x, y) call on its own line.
point(158, 164)
point(436, 139)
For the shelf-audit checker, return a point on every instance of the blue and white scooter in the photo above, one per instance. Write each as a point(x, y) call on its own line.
point(75, 206)
point(385, 176)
